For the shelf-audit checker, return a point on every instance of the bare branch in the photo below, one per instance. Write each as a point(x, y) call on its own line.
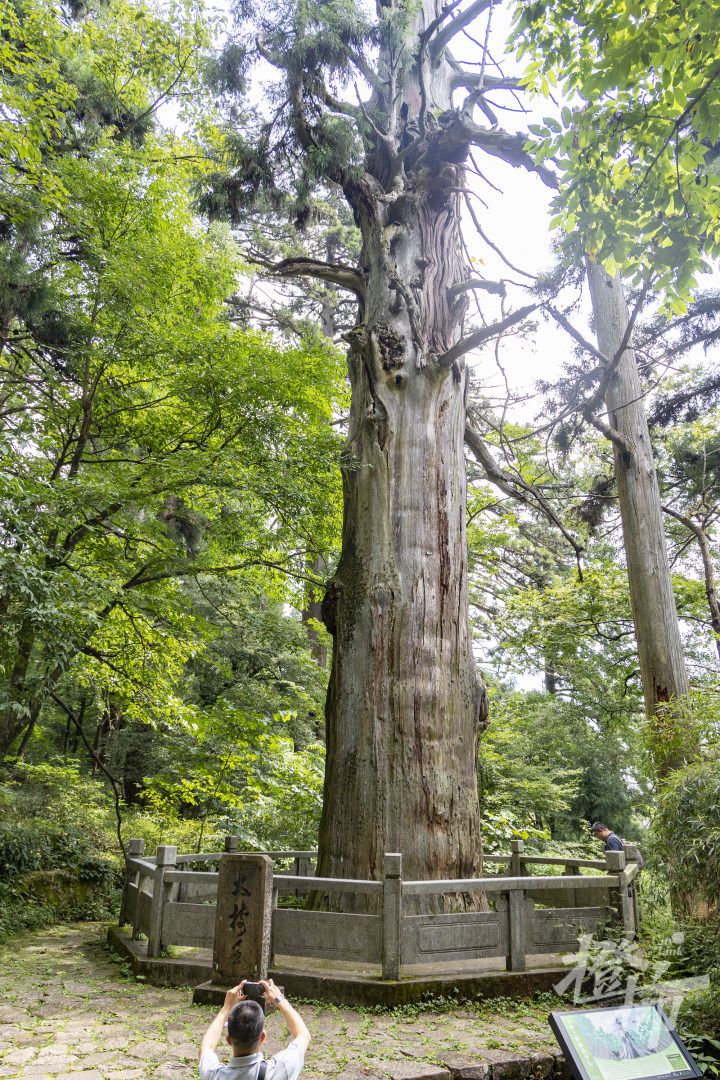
point(575, 334)
point(514, 486)
point(497, 287)
point(501, 144)
point(611, 433)
point(347, 277)
point(471, 341)
point(445, 35)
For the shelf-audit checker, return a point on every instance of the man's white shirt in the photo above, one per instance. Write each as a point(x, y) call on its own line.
point(286, 1065)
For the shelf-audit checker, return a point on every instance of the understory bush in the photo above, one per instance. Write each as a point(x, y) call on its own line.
point(60, 855)
point(699, 1026)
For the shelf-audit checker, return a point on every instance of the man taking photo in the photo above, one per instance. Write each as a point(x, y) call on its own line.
point(243, 1021)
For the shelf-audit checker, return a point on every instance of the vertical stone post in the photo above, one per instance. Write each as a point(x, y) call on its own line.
point(517, 930)
point(243, 919)
point(303, 868)
point(304, 865)
point(231, 843)
point(164, 859)
point(632, 855)
point(615, 864)
point(517, 848)
point(572, 871)
point(135, 849)
point(392, 916)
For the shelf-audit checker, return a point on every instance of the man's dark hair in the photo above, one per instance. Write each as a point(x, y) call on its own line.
point(245, 1023)
point(598, 827)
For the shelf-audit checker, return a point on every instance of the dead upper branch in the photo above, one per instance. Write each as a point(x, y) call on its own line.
point(453, 26)
point(496, 287)
point(514, 485)
point(346, 277)
point(471, 341)
point(503, 145)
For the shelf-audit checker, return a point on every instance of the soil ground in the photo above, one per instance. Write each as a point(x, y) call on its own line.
point(69, 1007)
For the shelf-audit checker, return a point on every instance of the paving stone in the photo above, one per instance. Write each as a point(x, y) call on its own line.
point(19, 1057)
point(10, 1015)
point(409, 1070)
point(510, 1065)
point(464, 1067)
point(105, 1058)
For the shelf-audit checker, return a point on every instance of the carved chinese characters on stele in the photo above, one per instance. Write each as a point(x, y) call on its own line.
point(242, 922)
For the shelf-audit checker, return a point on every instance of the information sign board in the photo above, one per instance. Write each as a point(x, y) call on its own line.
point(630, 1042)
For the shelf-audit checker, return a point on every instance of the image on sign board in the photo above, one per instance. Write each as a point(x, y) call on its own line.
point(625, 1044)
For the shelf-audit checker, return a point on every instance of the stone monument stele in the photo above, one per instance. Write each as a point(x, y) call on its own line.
point(243, 919)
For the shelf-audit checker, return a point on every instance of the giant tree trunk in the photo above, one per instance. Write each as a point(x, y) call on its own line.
point(404, 702)
point(662, 664)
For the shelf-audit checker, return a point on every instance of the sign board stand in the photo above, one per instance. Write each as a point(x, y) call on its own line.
point(629, 1042)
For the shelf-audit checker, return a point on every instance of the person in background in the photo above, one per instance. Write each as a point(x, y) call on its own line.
point(611, 841)
point(242, 1020)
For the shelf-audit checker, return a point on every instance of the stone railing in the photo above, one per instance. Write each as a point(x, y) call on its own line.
point(530, 915)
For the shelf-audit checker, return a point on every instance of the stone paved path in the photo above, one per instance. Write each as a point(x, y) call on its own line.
point(69, 1008)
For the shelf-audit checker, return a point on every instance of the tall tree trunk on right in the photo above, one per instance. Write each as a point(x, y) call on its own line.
point(662, 663)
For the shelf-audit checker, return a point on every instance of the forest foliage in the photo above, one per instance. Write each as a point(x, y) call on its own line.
point(169, 487)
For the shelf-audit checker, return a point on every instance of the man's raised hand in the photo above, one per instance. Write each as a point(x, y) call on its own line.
point(270, 991)
point(233, 996)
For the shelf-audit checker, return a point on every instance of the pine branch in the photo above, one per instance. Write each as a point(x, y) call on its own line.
point(471, 341)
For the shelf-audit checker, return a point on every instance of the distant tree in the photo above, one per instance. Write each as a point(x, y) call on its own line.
point(638, 200)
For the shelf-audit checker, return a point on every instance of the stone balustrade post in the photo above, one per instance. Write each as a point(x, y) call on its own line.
point(614, 861)
point(615, 864)
point(231, 843)
point(517, 930)
point(164, 859)
point(517, 849)
point(392, 916)
point(569, 870)
point(632, 855)
point(135, 849)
